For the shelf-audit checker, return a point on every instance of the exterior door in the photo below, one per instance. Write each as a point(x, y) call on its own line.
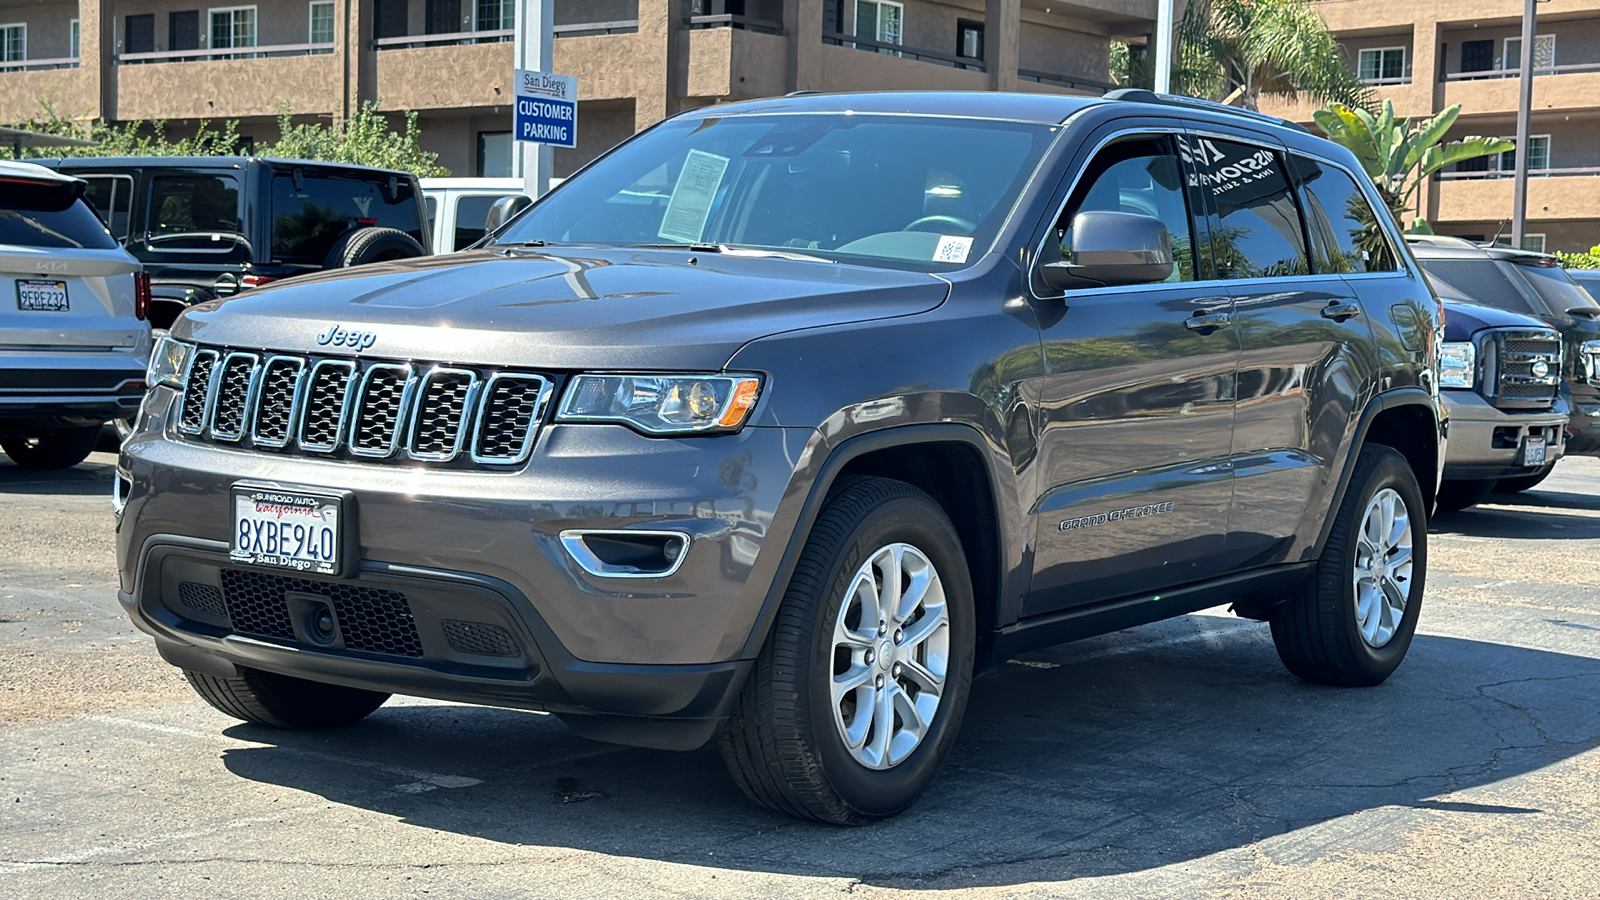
point(1305, 364)
point(1135, 411)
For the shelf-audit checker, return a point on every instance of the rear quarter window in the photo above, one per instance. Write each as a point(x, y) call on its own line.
point(1482, 281)
point(51, 216)
point(307, 219)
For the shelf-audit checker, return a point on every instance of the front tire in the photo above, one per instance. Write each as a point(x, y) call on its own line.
point(280, 701)
point(857, 696)
point(1354, 621)
point(57, 448)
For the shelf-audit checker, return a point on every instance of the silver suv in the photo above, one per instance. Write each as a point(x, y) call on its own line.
point(73, 337)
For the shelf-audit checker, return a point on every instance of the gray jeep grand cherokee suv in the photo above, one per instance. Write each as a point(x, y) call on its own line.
point(785, 419)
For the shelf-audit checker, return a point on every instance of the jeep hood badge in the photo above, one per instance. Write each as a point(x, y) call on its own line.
point(339, 336)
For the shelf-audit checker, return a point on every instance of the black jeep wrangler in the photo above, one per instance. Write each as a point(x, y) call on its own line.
point(210, 226)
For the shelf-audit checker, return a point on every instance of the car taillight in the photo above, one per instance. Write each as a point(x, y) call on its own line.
point(256, 280)
point(141, 295)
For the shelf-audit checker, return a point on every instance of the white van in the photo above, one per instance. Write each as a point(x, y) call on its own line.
point(457, 208)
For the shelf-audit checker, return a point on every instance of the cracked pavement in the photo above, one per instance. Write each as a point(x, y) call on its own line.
point(1176, 760)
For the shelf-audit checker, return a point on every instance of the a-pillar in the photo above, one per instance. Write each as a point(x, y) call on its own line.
point(802, 31)
point(97, 29)
point(660, 78)
point(1002, 43)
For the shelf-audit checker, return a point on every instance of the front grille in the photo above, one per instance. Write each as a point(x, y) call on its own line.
point(394, 411)
point(480, 638)
point(202, 598)
point(370, 619)
point(1511, 358)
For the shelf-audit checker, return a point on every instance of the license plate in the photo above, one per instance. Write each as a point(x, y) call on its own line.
point(288, 529)
point(1533, 452)
point(41, 296)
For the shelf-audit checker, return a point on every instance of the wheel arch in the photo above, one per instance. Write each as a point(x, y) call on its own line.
point(1407, 421)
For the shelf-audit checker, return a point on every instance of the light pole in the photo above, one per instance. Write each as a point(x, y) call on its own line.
point(532, 50)
point(1519, 190)
point(1164, 46)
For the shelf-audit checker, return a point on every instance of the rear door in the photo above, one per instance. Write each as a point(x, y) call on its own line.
point(64, 282)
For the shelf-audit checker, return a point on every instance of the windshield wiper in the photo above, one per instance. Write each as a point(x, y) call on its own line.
point(731, 250)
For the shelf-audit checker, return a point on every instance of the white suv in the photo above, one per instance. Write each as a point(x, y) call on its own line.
point(73, 337)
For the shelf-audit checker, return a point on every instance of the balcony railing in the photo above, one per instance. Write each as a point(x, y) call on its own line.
point(1513, 73)
point(932, 56)
point(39, 65)
point(1378, 82)
point(269, 51)
point(500, 35)
point(1532, 173)
point(1067, 81)
point(742, 23)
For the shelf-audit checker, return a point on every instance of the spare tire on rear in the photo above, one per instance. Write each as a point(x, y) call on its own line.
point(370, 245)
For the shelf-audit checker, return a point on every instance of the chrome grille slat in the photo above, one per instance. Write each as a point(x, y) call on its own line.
point(440, 415)
point(378, 411)
point(1519, 351)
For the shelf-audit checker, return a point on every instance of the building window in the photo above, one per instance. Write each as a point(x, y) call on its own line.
point(1477, 56)
point(233, 27)
point(1544, 53)
point(495, 15)
point(13, 43)
point(880, 20)
point(1383, 64)
point(72, 39)
point(321, 22)
point(494, 154)
point(1534, 242)
point(969, 39)
point(1538, 154)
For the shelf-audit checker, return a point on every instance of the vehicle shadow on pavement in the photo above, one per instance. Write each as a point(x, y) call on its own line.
point(91, 478)
point(1112, 755)
point(1523, 515)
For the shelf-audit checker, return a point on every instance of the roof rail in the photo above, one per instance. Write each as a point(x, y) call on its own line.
point(1140, 95)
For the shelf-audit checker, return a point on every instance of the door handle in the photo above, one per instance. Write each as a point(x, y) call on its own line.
point(1205, 323)
point(1340, 311)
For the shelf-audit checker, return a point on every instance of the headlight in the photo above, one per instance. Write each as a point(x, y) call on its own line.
point(1457, 360)
point(1589, 355)
point(662, 404)
point(169, 363)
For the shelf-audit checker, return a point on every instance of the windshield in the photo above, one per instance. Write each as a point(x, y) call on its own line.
point(917, 192)
point(1482, 281)
point(1556, 288)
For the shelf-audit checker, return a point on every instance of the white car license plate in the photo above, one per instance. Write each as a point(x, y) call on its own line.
point(41, 296)
point(1533, 452)
point(288, 529)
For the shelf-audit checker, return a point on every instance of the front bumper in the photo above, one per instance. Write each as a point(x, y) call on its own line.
point(1487, 443)
point(652, 661)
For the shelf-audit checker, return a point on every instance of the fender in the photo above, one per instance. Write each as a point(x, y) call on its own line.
point(827, 475)
point(1408, 396)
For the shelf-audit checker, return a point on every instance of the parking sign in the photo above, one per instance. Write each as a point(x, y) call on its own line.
point(547, 108)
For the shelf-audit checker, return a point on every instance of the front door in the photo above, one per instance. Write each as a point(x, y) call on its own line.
point(1135, 409)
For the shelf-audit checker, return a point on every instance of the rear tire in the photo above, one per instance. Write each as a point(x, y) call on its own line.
point(280, 701)
point(58, 448)
point(1455, 496)
point(1345, 627)
point(370, 245)
point(1523, 482)
point(834, 723)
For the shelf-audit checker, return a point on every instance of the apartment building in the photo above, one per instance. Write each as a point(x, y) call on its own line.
point(637, 61)
point(1428, 54)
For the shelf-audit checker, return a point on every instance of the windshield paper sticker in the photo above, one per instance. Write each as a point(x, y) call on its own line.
point(692, 196)
point(952, 249)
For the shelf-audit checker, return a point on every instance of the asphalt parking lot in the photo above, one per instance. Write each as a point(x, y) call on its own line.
point(1176, 760)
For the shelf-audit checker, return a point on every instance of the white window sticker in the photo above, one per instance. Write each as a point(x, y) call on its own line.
point(692, 196)
point(952, 249)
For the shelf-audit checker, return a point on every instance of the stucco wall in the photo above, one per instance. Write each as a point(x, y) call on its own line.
point(1568, 237)
point(1572, 91)
point(1569, 198)
point(49, 35)
point(849, 69)
point(228, 88)
point(1064, 51)
point(67, 91)
point(733, 64)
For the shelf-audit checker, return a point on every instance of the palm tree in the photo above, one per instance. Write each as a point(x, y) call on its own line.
point(1236, 50)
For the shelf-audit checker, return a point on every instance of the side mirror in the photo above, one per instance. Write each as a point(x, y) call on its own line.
point(1585, 312)
point(503, 210)
point(1112, 248)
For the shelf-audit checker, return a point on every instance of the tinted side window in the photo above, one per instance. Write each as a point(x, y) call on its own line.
point(1259, 233)
point(40, 215)
point(306, 220)
point(1140, 176)
point(1345, 234)
point(110, 195)
point(1482, 281)
point(186, 210)
point(470, 215)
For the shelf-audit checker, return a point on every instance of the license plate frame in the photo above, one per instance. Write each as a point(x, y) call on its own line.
point(36, 303)
point(1534, 450)
point(258, 536)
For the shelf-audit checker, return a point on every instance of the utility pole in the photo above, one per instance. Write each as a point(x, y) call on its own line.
point(1519, 190)
point(532, 49)
point(1164, 46)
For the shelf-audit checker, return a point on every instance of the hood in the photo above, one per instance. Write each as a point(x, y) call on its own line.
point(561, 308)
point(1463, 320)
